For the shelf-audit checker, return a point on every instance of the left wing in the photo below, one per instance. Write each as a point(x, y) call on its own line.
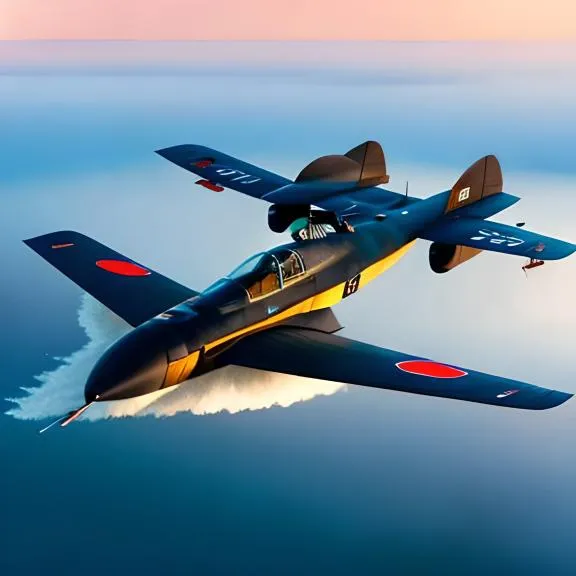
point(217, 169)
point(496, 237)
point(132, 291)
point(315, 354)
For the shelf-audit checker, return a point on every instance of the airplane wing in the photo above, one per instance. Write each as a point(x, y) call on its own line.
point(497, 237)
point(315, 354)
point(217, 169)
point(130, 290)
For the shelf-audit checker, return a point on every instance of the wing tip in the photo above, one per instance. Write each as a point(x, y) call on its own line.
point(557, 255)
point(568, 251)
point(176, 154)
point(553, 399)
point(59, 237)
point(166, 152)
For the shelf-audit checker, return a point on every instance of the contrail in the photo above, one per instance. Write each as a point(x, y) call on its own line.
point(231, 389)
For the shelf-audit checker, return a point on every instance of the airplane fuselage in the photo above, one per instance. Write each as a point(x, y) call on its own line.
point(184, 341)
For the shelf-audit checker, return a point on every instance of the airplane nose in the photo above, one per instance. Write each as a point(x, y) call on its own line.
point(134, 365)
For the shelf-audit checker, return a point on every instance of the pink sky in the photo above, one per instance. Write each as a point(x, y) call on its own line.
point(288, 19)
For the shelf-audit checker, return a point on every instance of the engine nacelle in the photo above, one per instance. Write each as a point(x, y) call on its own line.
point(444, 257)
point(280, 216)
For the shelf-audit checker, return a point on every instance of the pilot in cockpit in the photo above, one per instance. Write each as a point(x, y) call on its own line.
point(291, 267)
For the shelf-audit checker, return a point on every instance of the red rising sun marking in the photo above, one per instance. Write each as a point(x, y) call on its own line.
point(122, 268)
point(430, 369)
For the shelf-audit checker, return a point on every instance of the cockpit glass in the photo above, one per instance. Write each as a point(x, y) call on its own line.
point(290, 264)
point(264, 279)
point(268, 272)
point(247, 266)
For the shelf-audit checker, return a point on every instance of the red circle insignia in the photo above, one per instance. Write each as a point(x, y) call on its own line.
point(122, 268)
point(430, 369)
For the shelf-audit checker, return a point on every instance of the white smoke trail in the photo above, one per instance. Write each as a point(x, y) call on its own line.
point(231, 389)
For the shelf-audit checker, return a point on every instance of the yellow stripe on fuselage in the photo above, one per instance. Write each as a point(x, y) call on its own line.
point(325, 299)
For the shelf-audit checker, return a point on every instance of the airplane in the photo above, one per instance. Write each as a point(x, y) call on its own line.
point(274, 311)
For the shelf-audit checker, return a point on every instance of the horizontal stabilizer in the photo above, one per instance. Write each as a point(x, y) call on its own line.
point(313, 354)
point(496, 237)
point(132, 291)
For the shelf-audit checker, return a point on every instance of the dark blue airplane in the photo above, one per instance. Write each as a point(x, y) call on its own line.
point(273, 312)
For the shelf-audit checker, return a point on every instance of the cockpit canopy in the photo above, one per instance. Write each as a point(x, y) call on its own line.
point(267, 272)
point(257, 277)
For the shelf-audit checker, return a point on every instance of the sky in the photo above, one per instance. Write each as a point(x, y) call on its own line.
point(297, 19)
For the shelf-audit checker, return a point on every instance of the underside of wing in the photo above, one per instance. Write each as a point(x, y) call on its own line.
point(496, 237)
point(130, 290)
point(315, 354)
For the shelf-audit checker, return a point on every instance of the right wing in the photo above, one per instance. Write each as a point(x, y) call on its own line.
point(496, 237)
point(315, 354)
point(130, 290)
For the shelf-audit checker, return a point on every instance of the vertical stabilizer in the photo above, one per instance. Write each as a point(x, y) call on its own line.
point(361, 167)
point(371, 157)
point(482, 179)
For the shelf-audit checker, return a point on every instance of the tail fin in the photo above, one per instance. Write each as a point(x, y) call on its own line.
point(482, 179)
point(362, 166)
point(371, 157)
